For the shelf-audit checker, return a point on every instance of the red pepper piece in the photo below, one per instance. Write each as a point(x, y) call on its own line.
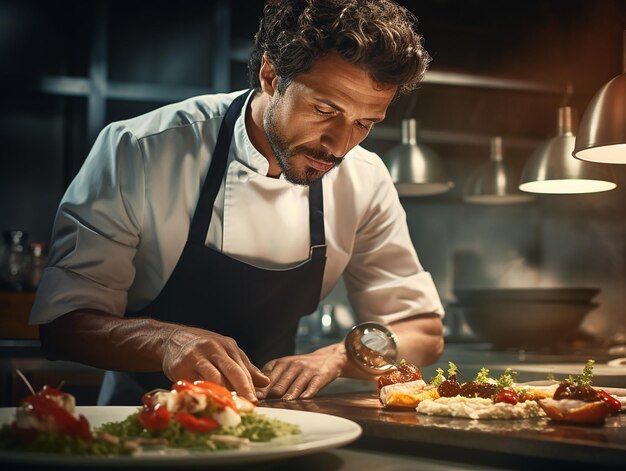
point(154, 418)
point(218, 394)
point(508, 396)
point(196, 424)
point(614, 404)
point(64, 422)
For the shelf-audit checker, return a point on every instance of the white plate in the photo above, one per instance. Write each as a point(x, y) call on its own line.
point(319, 432)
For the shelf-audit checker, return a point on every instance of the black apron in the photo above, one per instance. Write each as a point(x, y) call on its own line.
point(259, 308)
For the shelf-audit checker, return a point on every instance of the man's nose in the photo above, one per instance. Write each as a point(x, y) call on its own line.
point(337, 139)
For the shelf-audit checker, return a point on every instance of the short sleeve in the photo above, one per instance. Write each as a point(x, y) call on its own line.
point(96, 232)
point(384, 279)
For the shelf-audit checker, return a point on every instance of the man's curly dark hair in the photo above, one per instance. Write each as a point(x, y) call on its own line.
point(378, 35)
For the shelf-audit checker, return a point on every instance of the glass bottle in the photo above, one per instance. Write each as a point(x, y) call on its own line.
point(37, 263)
point(14, 265)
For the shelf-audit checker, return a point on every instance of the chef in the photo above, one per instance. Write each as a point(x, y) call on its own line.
point(194, 237)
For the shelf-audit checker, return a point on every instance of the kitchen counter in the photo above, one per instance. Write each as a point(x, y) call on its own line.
point(402, 439)
point(510, 444)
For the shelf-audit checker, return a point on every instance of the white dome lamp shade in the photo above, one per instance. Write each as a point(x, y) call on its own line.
point(416, 170)
point(602, 132)
point(492, 183)
point(552, 170)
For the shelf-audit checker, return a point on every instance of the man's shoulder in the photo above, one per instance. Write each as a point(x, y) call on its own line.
point(192, 111)
point(362, 163)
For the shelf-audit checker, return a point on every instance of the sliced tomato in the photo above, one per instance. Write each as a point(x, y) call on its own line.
point(507, 396)
point(196, 424)
point(64, 422)
point(154, 418)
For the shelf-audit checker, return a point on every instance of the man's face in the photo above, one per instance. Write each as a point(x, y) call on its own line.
point(321, 115)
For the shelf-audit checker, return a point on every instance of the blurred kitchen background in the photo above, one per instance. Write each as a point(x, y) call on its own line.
point(499, 70)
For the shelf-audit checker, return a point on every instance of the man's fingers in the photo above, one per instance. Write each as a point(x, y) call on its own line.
point(313, 387)
point(206, 370)
point(297, 386)
point(259, 380)
point(282, 377)
point(236, 376)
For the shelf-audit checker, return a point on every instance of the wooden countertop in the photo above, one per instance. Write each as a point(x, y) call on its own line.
point(405, 431)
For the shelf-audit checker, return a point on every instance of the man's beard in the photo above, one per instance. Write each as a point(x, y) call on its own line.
point(285, 155)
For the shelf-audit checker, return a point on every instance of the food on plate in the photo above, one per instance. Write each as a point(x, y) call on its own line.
point(199, 416)
point(405, 373)
point(573, 400)
point(479, 408)
point(407, 392)
point(577, 401)
point(46, 421)
point(403, 387)
point(482, 397)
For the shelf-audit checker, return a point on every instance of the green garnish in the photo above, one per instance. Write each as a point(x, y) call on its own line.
point(50, 442)
point(506, 380)
point(452, 369)
point(586, 378)
point(439, 378)
point(483, 376)
point(256, 427)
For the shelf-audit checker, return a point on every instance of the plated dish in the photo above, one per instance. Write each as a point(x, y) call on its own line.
point(572, 400)
point(318, 432)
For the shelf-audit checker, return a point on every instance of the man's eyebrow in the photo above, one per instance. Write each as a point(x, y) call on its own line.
point(334, 105)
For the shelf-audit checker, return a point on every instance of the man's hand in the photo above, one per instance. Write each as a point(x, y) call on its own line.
point(191, 353)
point(302, 376)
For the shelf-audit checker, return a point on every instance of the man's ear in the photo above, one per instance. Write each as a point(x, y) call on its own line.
point(267, 76)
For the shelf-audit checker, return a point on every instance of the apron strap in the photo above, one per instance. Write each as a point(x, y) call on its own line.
point(213, 182)
point(316, 220)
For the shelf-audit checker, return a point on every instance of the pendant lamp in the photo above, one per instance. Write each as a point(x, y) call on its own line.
point(492, 183)
point(602, 133)
point(415, 169)
point(552, 169)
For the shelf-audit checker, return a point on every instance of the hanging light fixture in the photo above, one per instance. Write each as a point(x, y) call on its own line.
point(602, 133)
point(492, 183)
point(552, 169)
point(415, 169)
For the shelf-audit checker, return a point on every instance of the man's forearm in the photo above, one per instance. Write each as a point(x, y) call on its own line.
point(420, 339)
point(105, 341)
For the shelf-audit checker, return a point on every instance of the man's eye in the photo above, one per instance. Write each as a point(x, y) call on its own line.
point(322, 112)
point(366, 126)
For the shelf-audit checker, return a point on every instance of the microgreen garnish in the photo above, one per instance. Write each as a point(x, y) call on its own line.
point(506, 380)
point(483, 376)
point(439, 378)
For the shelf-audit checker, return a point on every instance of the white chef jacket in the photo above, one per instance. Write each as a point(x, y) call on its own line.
point(123, 222)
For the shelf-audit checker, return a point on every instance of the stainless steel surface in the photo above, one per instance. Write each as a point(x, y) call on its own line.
point(372, 347)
